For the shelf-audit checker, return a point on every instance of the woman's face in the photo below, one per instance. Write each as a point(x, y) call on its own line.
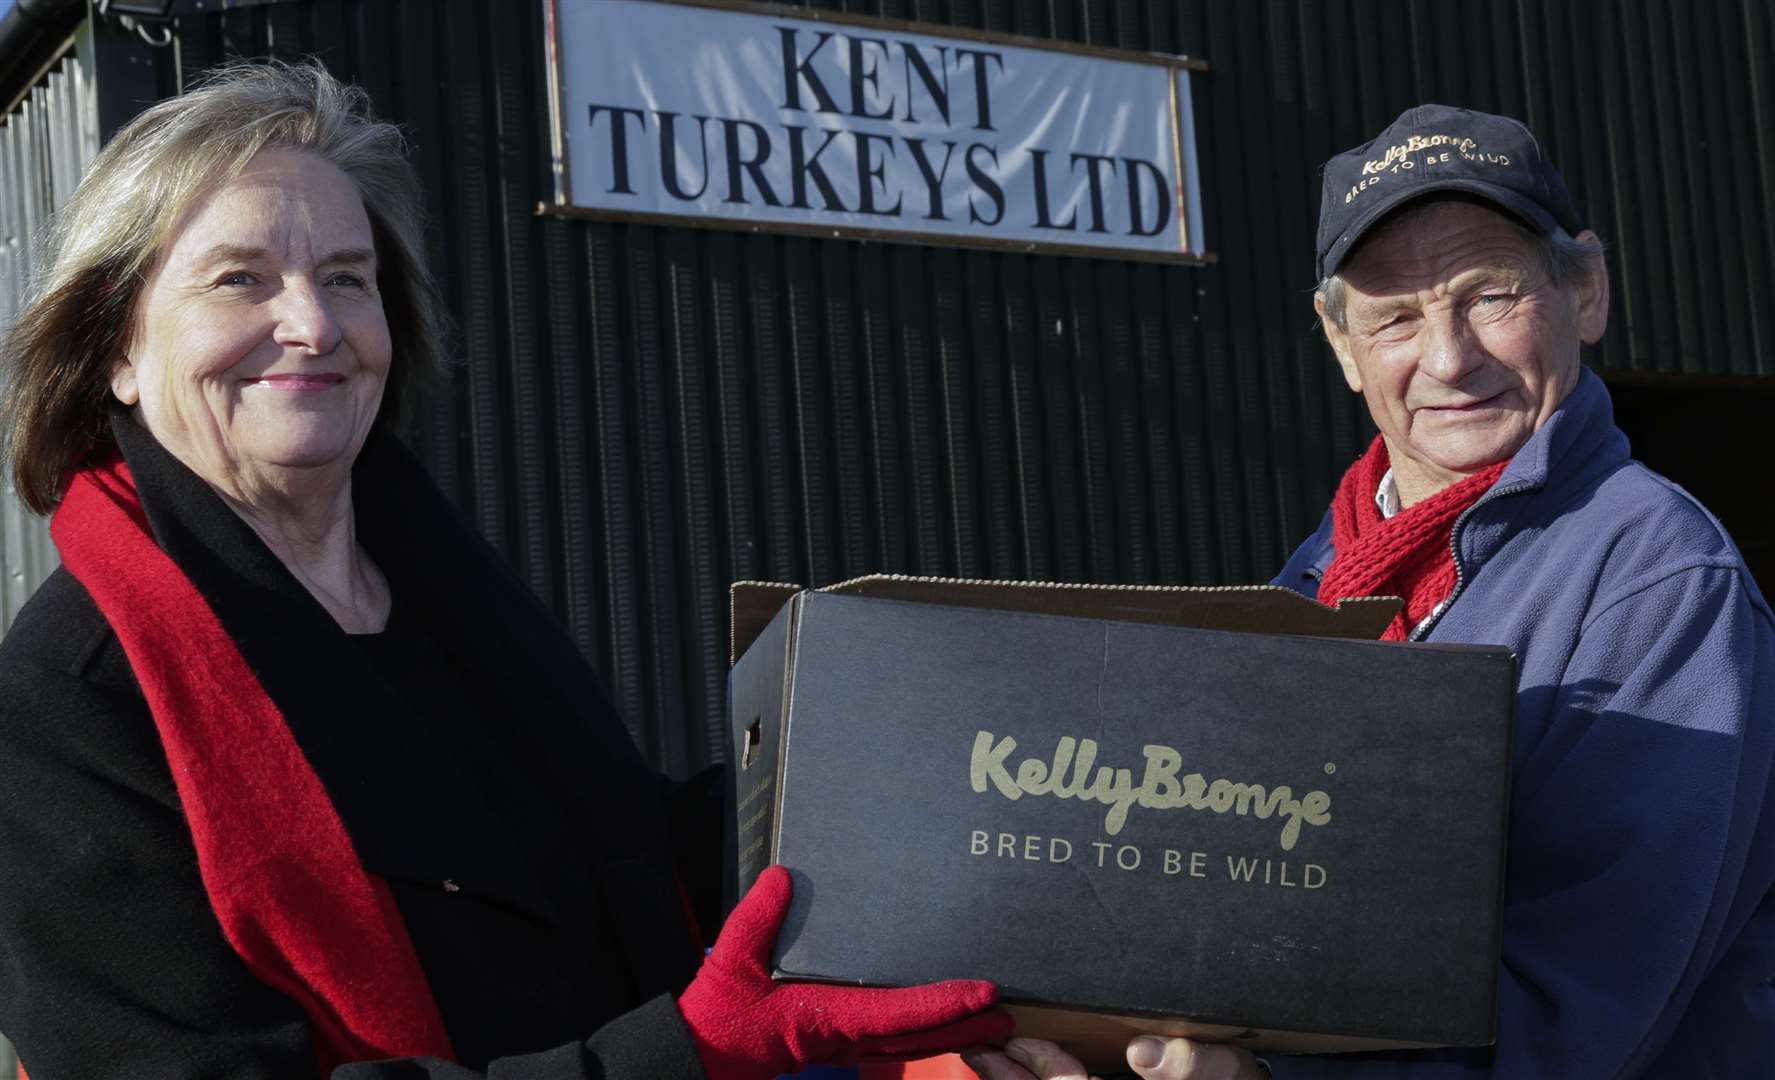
point(260, 349)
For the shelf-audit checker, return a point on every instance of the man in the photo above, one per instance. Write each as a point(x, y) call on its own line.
point(1457, 284)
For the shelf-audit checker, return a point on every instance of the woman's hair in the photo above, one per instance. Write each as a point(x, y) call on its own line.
point(103, 246)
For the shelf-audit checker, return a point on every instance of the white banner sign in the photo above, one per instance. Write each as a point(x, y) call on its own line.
point(753, 118)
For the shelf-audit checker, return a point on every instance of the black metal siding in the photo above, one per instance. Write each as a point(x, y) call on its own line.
point(641, 414)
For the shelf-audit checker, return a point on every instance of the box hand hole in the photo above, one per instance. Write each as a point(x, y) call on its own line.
point(749, 752)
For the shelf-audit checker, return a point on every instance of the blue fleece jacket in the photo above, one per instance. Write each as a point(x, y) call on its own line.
point(1639, 924)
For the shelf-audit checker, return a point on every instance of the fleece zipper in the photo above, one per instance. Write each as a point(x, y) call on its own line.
point(1423, 629)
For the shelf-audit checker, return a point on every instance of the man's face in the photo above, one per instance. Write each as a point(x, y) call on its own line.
point(1457, 340)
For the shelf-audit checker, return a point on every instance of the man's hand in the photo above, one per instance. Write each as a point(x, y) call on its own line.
point(1024, 1059)
point(1183, 1059)
point(1150, 1057)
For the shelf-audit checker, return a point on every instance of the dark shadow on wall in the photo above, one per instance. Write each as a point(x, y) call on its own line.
point(1713, 435)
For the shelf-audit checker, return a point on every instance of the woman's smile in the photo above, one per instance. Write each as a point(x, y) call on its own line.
point(300, 382)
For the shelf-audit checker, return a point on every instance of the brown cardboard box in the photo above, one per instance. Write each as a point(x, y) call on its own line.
point(1214, 812)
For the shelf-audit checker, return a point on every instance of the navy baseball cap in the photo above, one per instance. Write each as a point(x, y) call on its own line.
point(1439, 148)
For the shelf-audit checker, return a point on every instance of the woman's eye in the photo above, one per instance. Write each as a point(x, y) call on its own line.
point(237, 278)
point(350, 280)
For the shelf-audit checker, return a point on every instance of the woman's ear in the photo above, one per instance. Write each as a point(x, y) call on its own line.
point(123, 381)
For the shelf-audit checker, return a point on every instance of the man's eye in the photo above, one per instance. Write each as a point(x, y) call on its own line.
point(1489, 306)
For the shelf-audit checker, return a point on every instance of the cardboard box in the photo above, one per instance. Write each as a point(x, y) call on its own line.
point(1135, 809)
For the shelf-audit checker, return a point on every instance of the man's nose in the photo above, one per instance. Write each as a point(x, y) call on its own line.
point(1451, 351)
point(305, 321)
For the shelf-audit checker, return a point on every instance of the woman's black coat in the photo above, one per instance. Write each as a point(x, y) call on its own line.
point(112, 963)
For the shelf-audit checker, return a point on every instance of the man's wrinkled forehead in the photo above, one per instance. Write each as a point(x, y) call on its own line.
point(1441, 245)
point(1437, 224)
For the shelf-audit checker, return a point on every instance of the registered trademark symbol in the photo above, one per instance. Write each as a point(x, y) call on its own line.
point(1330, 768)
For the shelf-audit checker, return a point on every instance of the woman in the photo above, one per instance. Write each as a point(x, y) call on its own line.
point(296, 775)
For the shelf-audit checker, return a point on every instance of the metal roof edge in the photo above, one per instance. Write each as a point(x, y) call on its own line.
point(32, 36)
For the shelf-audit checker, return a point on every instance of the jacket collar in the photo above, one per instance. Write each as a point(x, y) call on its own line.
point(1322, 556)
point(1578, 444)
point(1577, 441)
point(412, 810)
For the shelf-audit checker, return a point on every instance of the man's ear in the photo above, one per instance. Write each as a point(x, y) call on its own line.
point(1340, 344)
point(123, 381)
point(1593, 297)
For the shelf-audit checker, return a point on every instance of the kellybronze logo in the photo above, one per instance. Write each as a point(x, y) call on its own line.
point(1431, 154)
point(1397, 152)
point(1068, 775)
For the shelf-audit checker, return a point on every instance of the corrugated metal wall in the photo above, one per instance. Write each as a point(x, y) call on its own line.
point(45, 145)
point(643, 414)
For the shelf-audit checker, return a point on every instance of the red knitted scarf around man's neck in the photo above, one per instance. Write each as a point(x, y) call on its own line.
point(281, 873)
point(1406, 555)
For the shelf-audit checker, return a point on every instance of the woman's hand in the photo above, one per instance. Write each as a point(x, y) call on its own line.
point(1150, 1056)
point(749, 1027)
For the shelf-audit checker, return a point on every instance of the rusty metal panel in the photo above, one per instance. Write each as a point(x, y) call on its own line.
point(46, 143)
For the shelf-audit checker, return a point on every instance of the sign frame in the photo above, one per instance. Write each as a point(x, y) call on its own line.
point(1188, 198)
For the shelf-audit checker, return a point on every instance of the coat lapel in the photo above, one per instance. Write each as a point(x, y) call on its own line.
point(544, 694)
point(540, 686)
point(412, 811)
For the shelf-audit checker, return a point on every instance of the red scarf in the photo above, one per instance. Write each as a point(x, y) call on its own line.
point(282, 876)
point(1405, 555)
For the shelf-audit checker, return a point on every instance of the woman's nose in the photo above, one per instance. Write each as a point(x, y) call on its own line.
point(304, 321)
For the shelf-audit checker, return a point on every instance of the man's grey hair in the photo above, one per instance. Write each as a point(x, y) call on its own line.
point(1564, 259)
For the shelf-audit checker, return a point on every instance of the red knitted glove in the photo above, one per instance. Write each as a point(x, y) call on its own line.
point(749, 1027)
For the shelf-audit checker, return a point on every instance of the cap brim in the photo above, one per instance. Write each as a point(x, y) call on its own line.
point(1515, 202)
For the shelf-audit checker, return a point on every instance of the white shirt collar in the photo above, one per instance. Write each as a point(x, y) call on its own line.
point(1387, 496)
